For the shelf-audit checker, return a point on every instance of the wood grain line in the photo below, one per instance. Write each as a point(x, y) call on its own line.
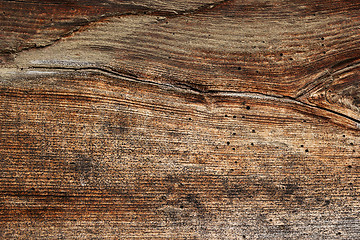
point(335, 116)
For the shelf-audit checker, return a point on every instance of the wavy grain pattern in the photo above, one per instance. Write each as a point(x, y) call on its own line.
point(179, 119)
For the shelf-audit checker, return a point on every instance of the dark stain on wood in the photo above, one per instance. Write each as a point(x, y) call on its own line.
point(179, 119)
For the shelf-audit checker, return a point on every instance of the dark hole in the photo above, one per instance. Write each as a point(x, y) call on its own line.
point(181, 206)
point(173, 33)
point(322, 44)
point(234, 133)
point(281, 54)
point(248, 107)
point(322, 38)
point(235, 162)
point(228, 143)
point(243, 116)
point(351, 144)
point(257, 71)
point(301, 145)
point(327, 202)
point(339, 233)
point(343, 135)
point(234, 116)
point(306, 150)
point(270, 220)
point(233, 149)
point(239, 68)
point(252, 144)
point(291, 59)
point(324, 52)
point(353, 150)
point(32, 189)
point(190, 119)
point(253, 131)
point(169, 57)
point(226, 115)
point(349, 166)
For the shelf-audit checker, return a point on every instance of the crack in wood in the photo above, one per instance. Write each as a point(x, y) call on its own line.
point(354, 123)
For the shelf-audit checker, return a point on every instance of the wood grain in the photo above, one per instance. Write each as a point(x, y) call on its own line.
point(180, 120)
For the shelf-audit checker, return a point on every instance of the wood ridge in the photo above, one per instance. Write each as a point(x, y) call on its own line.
point(354, 123)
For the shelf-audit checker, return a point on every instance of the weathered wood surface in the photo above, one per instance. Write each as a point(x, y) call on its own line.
point(180, 119)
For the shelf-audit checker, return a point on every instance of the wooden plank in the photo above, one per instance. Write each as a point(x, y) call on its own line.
point(181, 120)
point(308, 55)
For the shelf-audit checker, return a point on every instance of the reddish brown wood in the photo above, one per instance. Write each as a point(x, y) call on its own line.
point(179, 120)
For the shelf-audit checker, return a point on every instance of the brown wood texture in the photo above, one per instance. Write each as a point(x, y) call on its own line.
point(180, 119)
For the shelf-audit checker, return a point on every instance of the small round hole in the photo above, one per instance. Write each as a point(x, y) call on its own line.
point(349, 166)
point(322, 38)
point(239, 68)
point(281, 54)
point(306, 150)
point(228, 143)
point(233, 149)
point(248, 107)
point(301, 145)
point(234, 116)
point(253, 131)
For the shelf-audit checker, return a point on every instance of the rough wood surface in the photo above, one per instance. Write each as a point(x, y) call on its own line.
point(180, 119)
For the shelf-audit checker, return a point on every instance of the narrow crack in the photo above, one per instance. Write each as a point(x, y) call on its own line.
point(210, 93)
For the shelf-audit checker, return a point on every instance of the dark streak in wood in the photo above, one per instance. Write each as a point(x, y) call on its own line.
point(179, 119)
